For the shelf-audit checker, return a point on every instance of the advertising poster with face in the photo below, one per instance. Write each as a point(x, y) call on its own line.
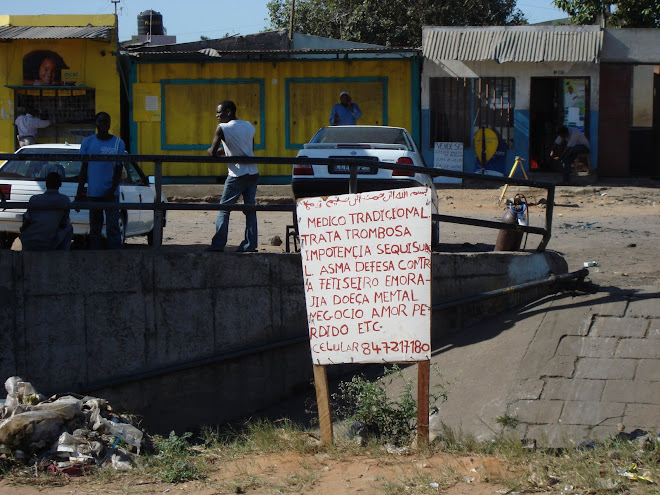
point(56, 64)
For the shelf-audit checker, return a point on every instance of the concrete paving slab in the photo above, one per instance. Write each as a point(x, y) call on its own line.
point(648, 370)
point(609, 326)
point(606, 369)
point(639, 391)
point(573, 389)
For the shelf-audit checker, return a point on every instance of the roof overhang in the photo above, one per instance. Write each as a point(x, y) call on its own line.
point(513, 43)
point(51, 32)
point(213, 55)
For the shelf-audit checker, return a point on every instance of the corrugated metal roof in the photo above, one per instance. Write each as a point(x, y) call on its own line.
point(513, 43)
point(207, 54)
point(45, 33)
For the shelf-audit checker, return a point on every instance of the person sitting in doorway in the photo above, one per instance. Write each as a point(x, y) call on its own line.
point(47, 230)
point(575, 143)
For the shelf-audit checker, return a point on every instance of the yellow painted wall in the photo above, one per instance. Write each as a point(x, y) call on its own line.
point(90, 64)
point(57, 20)
point(188, 94)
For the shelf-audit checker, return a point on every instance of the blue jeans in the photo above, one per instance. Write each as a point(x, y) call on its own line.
point(112, 233)
point(569, 157)
point(245, 185)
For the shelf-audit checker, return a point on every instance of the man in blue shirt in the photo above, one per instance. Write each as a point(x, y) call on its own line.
point(102, 179)
point(345, 112)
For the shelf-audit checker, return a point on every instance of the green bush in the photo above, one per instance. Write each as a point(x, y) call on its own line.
point(388, 419)
point(174, 445)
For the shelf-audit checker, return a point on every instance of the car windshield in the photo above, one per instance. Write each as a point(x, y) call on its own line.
point(362, 134)
point(39, 169)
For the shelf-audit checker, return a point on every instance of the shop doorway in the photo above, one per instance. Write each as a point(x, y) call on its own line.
point(545, 117)
point(554, 102)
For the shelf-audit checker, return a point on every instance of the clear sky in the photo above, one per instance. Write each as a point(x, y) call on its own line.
point(190, 19)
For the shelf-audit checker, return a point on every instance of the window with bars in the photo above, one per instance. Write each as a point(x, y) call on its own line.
point(460, 106)
point(64, 106)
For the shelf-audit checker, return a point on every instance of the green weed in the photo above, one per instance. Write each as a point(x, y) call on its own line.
point(390, 419)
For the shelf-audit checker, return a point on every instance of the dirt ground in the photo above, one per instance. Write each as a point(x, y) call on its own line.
point(615, 225)
point(293, 473)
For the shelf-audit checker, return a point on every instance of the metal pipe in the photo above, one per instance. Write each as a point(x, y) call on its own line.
point(552, 279)
point(353, 180)
point(353, 187)
point(157, 234)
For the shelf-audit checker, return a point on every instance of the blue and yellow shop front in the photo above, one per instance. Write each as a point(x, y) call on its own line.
point(174, 100)
point(61, 68)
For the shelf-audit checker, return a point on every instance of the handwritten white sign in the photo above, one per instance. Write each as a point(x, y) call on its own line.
point(450, 157)
point(367, 271)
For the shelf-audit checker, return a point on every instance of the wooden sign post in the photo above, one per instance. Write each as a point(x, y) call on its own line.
point(367, 275)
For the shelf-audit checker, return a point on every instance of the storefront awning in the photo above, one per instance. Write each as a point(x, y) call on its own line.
point(513, 43)
point(49, 32)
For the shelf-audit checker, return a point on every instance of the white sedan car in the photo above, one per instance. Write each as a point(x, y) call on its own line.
point(21, 179)
point(376, 143)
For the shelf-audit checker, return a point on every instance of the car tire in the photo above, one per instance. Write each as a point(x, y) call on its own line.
point(122, 227)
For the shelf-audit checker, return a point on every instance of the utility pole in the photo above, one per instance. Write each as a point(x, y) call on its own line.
point(293, 10)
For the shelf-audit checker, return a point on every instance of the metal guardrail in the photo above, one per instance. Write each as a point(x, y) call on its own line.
point(158, 206)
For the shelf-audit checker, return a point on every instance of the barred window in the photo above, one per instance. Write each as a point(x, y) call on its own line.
point(460, 106)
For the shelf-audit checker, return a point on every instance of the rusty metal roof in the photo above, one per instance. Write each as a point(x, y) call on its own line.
point(513, 43)
point(50, 32)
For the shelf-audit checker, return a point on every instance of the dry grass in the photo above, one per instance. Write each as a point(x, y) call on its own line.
point(283, 458)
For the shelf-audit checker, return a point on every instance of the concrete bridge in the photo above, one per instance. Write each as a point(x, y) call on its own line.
point(187, 339)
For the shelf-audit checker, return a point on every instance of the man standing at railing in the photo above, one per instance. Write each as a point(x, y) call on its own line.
point(102, 179)
point(45, 230)
point(237, 138)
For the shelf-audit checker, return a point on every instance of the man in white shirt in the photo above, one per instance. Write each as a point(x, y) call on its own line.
point(576, 143)
point(237, 138)
point(27, 126)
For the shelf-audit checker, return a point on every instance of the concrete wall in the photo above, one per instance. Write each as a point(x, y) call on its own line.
point(188, 339)
point(635, 46)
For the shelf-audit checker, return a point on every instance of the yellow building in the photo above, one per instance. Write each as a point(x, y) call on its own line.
point(286, 88)
point(62, 68)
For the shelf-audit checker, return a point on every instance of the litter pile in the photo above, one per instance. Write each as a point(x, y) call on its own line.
point(66, 434)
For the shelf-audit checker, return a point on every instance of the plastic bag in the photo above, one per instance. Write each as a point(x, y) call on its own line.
point(41, 425)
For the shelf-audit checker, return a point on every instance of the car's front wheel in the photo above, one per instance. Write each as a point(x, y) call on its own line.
point(122, 227)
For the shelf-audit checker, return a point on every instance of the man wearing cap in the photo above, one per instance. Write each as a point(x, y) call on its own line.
point(345, 112)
